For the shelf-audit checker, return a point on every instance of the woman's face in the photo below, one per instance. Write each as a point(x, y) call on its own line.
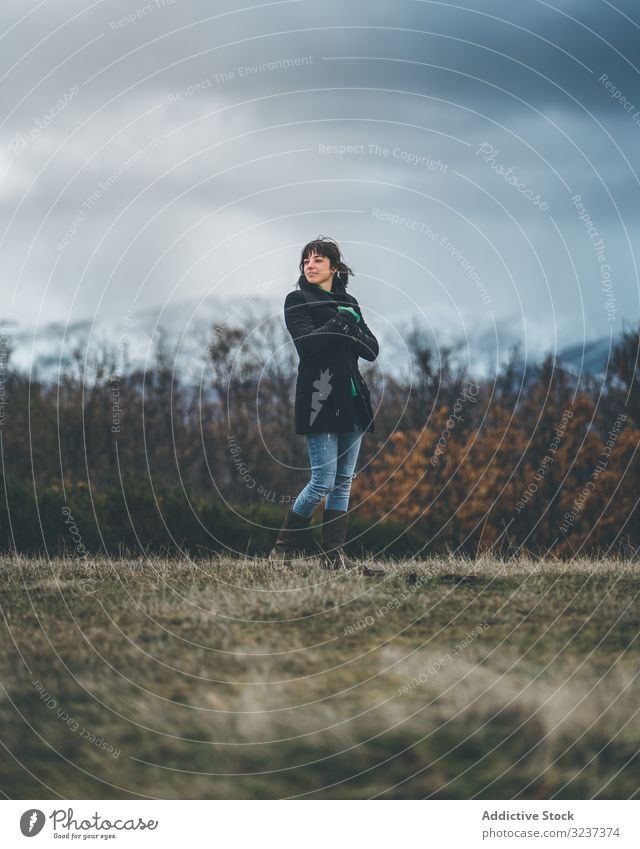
point(317, 269)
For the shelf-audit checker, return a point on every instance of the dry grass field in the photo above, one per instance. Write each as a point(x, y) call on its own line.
point(446, 678)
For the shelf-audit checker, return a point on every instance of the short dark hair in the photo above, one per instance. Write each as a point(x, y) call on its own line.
point(325, 246)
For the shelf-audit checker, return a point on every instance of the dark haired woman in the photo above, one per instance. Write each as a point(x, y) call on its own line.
point(332, 406)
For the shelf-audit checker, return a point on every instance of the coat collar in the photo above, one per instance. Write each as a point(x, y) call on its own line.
point(338, 292)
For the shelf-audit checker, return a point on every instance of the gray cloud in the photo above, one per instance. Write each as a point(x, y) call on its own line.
point(139, 192)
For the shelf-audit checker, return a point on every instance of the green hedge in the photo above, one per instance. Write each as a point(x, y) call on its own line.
point(168, 519)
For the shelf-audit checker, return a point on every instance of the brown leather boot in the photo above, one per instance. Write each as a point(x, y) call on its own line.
point(293, 539)
point(334, 532)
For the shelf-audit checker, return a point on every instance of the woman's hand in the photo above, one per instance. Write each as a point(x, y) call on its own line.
point(351, 311)
point(342, 322)
point(348, 319)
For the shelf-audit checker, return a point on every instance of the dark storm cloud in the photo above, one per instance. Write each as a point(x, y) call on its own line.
point(237, 178)
point(476, 48)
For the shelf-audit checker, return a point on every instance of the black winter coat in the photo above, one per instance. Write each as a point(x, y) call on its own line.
point(328, 358)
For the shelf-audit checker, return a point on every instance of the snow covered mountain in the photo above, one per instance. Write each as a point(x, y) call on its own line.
point(184, 332)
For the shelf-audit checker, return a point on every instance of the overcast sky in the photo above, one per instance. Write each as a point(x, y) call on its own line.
point(153, 154)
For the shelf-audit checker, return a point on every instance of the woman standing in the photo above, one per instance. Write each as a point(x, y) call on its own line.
point(332, 406)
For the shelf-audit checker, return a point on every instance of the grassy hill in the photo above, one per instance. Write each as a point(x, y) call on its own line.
point(235, 679)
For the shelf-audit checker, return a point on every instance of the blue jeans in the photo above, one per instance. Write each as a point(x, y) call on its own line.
point(333, 458)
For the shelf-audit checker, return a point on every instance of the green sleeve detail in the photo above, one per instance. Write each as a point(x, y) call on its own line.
point(351, 310)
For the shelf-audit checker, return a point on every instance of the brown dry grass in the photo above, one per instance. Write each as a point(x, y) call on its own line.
point(234, 679)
